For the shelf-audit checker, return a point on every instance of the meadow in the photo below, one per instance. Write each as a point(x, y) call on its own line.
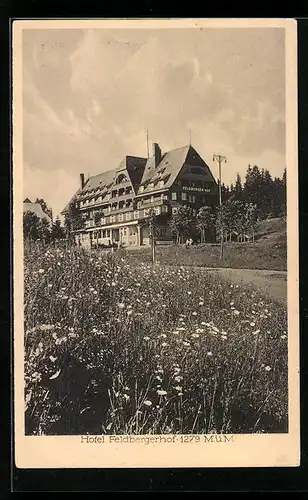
point(122, 347)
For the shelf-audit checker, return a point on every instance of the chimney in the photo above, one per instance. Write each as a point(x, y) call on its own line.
point(156, 153)
point(81, 181)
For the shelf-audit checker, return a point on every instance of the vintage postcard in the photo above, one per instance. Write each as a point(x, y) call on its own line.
point(156, 306)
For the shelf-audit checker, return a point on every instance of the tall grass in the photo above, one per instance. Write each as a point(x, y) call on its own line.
point(115, 347)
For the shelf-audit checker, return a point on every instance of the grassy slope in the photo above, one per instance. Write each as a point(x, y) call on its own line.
point(268, 252)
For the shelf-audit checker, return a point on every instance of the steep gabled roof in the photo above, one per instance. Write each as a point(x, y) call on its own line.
point(168, 168)
point(103, 183)
point(142, 172)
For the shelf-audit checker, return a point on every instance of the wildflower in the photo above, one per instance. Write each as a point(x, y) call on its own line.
point(209, 353)
point(36, 377)
point(267, 368)
point(224, 337)
point(186, 344)
point(46, 327)
point(201, 303)
point(236, 313)
point(189, 293)
point(256, 332)
point(283, 337)
point(121, 305)
point(41, 271)
point(147, 402)
point(161, 392)
point(178, 378)
point(126, 397)
point(199, 330)
point(129, 312)
point(180, 394)
point(195, 335)
point(52, 359)
point(178, 388)
point(146, 338)
point(252, 324)
point(164, 344)
point(163, 335)
point(180, 328)
point(194, 313)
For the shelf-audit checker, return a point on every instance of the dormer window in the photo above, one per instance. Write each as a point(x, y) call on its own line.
point(121, 178)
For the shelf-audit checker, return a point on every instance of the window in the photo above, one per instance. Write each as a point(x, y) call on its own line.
point(113, 218)
point(184, 196)
point(173, 196)
point(157, 210)
point(121, 178)
point(121, 217)
point(128, 216)
point(136, 214)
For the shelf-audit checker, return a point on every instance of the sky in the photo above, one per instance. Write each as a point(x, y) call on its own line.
point(90, 95)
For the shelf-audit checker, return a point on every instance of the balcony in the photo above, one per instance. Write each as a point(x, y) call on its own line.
point(152, 203)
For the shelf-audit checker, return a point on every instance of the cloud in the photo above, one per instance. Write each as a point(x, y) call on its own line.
point(90, 95)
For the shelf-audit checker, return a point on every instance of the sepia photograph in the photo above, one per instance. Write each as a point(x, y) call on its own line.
point(154, 193)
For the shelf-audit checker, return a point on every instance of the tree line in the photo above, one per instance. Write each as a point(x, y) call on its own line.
point(259, 188)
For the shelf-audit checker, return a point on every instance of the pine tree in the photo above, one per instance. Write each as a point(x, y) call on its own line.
point(238, 188)
point(57, 231)
point(73, 221)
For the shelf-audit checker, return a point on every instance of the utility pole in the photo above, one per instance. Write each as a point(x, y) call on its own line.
point(220, 159)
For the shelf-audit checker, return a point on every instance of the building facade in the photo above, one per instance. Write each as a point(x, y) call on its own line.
point(117, 204)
